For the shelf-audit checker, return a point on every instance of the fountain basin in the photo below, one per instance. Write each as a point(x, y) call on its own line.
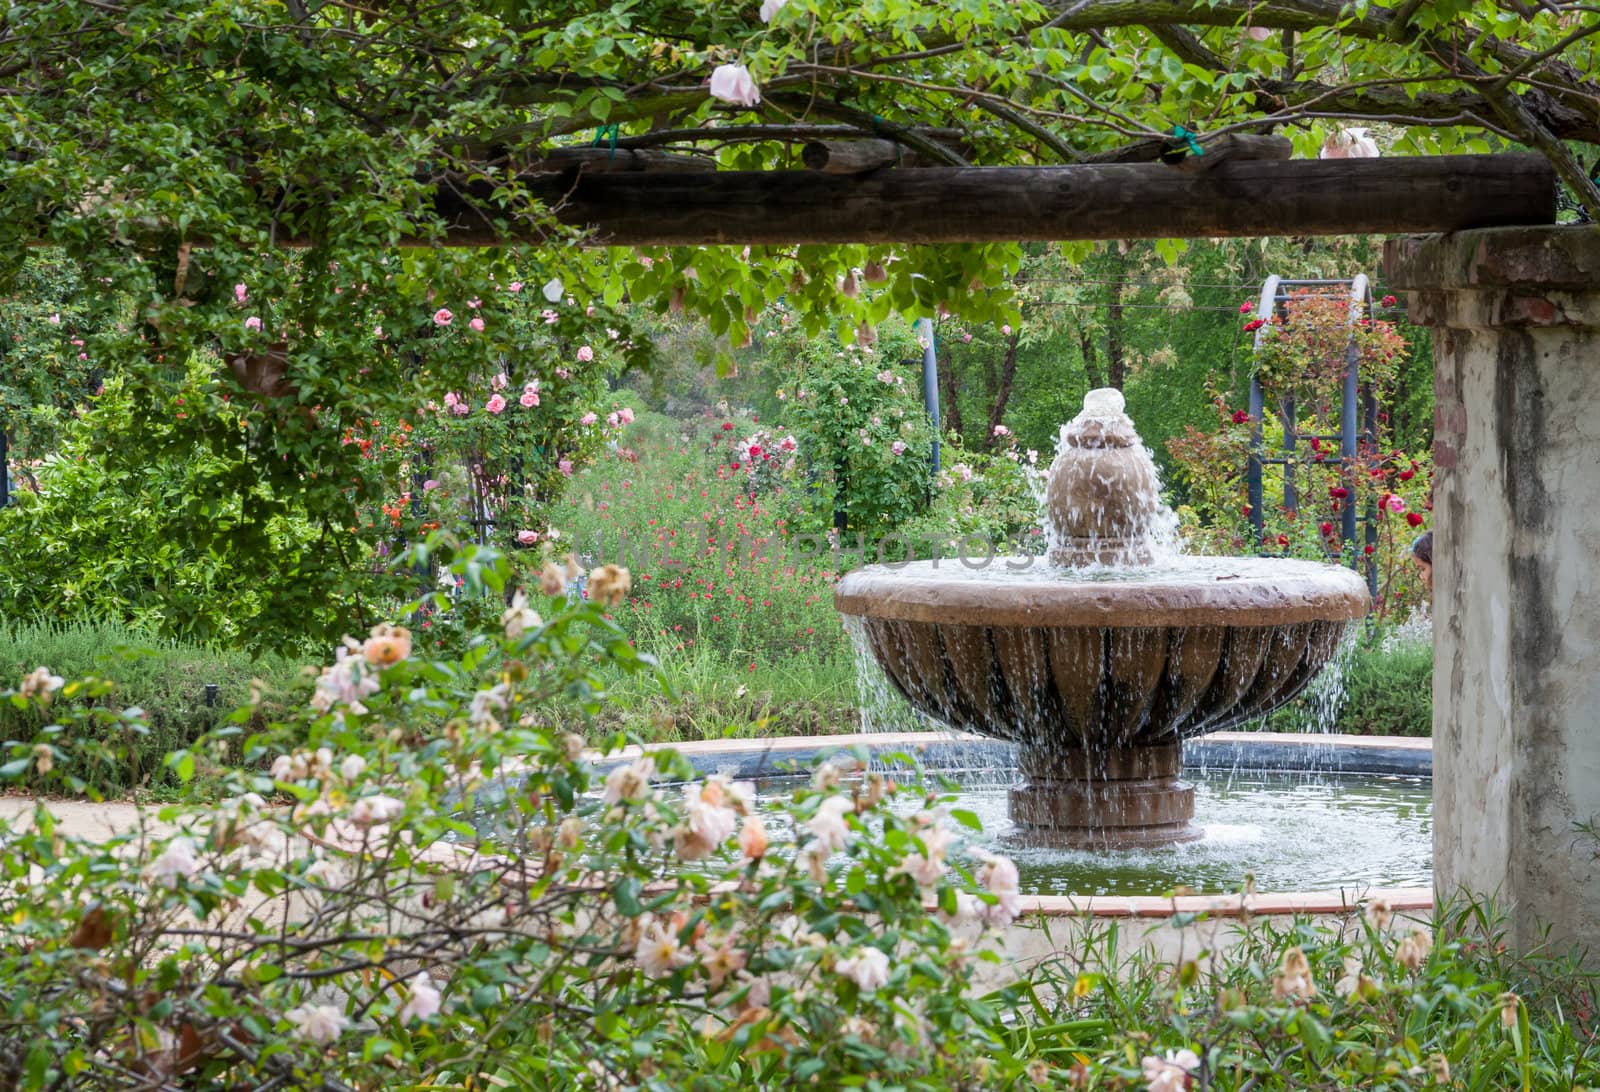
point(1099, 674)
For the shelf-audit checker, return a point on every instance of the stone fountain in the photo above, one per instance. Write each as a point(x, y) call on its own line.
point(1100, 663)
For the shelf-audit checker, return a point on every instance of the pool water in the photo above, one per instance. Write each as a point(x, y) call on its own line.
point(1291, 832)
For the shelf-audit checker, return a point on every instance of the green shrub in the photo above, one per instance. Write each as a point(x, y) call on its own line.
point(166, 679)
point(1385, 688)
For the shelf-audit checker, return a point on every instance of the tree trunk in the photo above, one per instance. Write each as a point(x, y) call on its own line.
point(949, 395)
point(1002, 392)
point(1091, 358)
point(1116, 362)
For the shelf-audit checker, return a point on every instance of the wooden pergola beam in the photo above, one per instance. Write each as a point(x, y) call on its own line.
point(1239, 197)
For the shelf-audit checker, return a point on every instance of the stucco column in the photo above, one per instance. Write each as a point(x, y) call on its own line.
point(1515, 314)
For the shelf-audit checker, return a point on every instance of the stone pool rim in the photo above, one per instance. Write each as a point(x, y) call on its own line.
point(1275, 752)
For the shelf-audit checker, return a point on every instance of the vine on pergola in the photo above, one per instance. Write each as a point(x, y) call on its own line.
point(172, 147)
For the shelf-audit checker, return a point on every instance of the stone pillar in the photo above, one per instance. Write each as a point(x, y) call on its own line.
point(1515, 314)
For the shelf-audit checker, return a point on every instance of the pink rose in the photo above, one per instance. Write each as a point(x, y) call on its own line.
point(898, 447)
point(1395, 503)
point(240, 293)
point(450, 399)
point(588, 419)
point(442, 317)
point(498, 382)
point(461, 409)
point(626, 414)
point(252, 323)
point(585, 354)
point(527, 538)
point(54, 320)
point(495, 404)
point(474, 303)
point(529, 399)
point(515, 286)
point(562, 373)
point(477, 325)
point(565, 466)
point(613, 420)
point(429, 486)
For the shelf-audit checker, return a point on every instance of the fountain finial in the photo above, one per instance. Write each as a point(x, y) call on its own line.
point(1103, 495)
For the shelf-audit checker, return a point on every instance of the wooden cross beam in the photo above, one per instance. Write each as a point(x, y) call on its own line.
point(1244, 197)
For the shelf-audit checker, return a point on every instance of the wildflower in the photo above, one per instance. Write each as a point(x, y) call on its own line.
point(753, 838)
point(1510, 1006)
point(373, 810)
point(423, 1001)
point(1412, 952)
point(770, 8)
point(1414, 519)
point(1293, 979)
point(658, 952)
point(176, 862)
point(723, 958)
point(1170, 1073)
point(732, 83)
point(39, 683)
point(1354, 984)
point(1439, 1068)
point(609, 584)
point(253, 322)
point(706, 815)
point(442, 317)
point(998, 876)
point(552, 581)
point(321, 1024)
point(868, 969)
point(518, 618)
point(387, 645)
point(486, 703)
point(44, 758)
point(828, 825)
point(630, 782)
point(585, 354)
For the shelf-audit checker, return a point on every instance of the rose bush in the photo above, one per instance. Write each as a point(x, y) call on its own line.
point(413, 883)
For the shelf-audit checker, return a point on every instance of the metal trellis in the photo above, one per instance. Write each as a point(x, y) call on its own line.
point(1358, 423)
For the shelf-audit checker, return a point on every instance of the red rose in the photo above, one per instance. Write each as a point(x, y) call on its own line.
point(1326, 528)
point(1253, 325)
point(1338, 492)
point(1407, 475)
point(1283, 540)
point(1389, 301)
point(727, 426)
point(1244, 308)
point(1240, 416)
point(1368, 550)
point(1414, 518)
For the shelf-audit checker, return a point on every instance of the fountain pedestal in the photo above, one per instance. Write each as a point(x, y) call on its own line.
point(1112, 799)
